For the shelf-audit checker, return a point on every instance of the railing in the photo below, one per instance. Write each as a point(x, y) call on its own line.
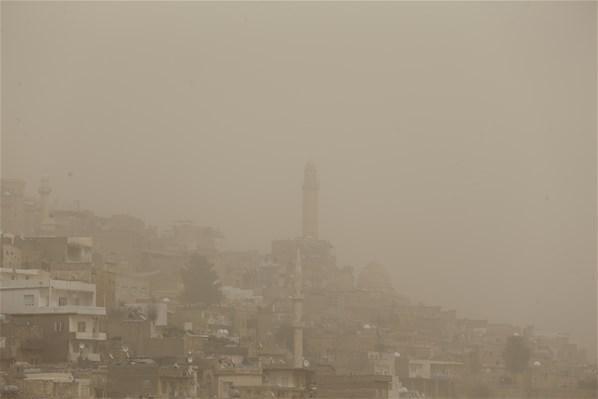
point(171, 372)
point(74, 309)
point(99, 336)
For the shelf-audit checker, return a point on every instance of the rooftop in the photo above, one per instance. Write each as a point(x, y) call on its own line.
point(68, 309)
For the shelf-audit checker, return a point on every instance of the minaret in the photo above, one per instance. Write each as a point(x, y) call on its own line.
point(310, 201)
point(298, 313)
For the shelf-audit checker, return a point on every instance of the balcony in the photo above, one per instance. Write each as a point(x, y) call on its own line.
point(171, 372)
point(68, 309)
point(84, 356)
point(69, 285)
point(88, 335)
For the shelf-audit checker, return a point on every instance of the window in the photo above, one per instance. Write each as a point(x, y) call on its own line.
point(29, 300)
point(58, 326)
point(81, 326)
point(61, 301)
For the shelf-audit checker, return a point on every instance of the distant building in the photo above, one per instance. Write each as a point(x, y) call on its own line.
point(22, 215)
point(46, 224)
point(289, 382)
point(238, 268)
point(122, 238)
point(434, 369)
point(374, 277)
point(434, 378)
point(227, 382)
point(66, 258)
point(145, 378)
point(117, 238)
point(12, 199)
point(318, 256)
point(54, 385)
point(189, 237)
point(117, 287)
point(254, 383)
point(333, 386)
point(73, 222)
point(163, 269)
point(11, 254)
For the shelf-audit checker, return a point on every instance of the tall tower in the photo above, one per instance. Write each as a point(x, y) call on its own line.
point(298, 313)
point(311, 187)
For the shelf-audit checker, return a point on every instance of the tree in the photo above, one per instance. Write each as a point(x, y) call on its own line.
point(200, 282)
point(516, 354)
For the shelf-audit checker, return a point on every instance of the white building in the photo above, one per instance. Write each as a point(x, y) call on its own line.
point(64, 310)
point(434, 369)
point(34, 292)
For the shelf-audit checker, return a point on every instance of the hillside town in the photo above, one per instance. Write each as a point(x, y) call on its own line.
point(109, 307)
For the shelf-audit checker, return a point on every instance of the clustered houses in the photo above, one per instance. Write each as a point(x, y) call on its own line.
point(92, 307)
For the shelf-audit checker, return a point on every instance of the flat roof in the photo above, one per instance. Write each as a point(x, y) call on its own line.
point(56, 310)
point(439, 362)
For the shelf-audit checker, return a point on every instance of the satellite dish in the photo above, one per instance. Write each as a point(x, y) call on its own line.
point(305, 363)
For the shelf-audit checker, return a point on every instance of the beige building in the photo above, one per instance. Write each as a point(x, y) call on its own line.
point(66, 258)
point(65, 311)
point(11, 254)
point(116, 287)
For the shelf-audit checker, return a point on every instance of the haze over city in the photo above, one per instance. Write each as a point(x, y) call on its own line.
point(464, 163)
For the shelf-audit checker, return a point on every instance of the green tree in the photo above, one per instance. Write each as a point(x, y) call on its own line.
point(516, 354)
point(200, 282)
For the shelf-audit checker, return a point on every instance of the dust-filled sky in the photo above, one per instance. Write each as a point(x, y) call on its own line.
point(455, 142)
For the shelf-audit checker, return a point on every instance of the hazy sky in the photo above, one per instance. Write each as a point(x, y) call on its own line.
point(455, 142)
